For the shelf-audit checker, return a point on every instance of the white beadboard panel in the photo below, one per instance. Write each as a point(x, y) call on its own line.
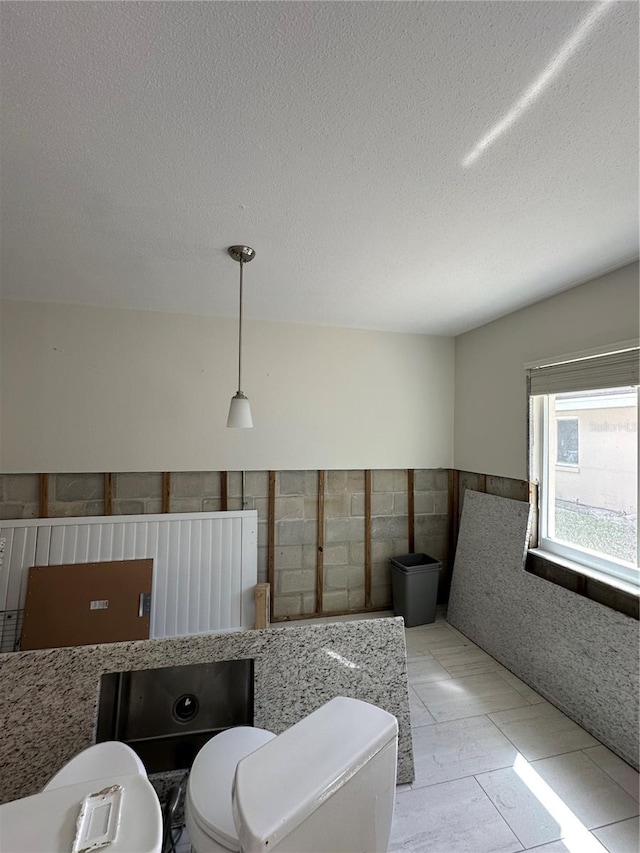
point(19, 543)
point(204, 564)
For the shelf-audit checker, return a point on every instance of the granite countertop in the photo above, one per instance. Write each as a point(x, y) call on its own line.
point(49, 698)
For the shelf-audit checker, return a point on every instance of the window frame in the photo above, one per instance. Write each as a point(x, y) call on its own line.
point(591, 563)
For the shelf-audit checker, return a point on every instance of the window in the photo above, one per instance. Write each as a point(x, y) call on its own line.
point(567, 443)
point(584, 456)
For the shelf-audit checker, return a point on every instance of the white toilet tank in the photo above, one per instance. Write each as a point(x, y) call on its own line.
point(326, 785)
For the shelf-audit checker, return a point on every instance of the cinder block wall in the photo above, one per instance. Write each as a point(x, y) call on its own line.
point(295, 553)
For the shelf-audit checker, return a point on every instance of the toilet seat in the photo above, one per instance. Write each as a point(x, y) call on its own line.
point(47, 821)
point(111, 758)
point(211, 782)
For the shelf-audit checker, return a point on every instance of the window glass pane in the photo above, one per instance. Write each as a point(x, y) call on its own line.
point(593, 489)
point(567, 449)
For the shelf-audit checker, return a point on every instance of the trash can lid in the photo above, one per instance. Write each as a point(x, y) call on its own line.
point(415, 562)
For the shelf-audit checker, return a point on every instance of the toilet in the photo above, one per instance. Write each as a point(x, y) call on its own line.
point(325, 785)
point(101, 797)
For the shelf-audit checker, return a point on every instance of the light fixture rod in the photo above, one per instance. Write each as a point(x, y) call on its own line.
point(240, 333)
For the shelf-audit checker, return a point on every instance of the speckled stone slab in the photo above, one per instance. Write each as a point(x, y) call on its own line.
point(580, 655)
point(48, 698)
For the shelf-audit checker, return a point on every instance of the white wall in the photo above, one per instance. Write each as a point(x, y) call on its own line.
point(490, 393)
point(94, 389)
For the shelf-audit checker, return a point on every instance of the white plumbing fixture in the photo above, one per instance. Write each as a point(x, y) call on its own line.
point(325, 785)
point(101, 799)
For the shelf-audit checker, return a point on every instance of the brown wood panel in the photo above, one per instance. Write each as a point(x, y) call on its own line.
point(108, 494)
point(367, 538)
point(482, 482)
point(454, 499)
point(81, 603)
point(603, 593)
point(411, 514)
point(320, 554)
point(224, 491)
point(166, 491)
point(271, 537)
point(533, 502)
point(262, 607)
point(43, 510)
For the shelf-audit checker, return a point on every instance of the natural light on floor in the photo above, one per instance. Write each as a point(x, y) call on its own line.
point(574, 834)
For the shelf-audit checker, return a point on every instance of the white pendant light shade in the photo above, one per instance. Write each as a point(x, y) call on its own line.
point(240, 412)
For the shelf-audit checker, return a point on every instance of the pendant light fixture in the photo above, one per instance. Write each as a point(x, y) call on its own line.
point(240, 410)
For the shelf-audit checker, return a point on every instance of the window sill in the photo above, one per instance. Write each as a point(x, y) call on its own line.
point(596, 586)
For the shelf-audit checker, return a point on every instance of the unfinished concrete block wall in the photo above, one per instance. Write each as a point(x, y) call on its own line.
point(324, 538)
point(296, 538)
point(344, 548)
point(19, 495)
point(257, 498)
point(192, 491)
point(389, 529)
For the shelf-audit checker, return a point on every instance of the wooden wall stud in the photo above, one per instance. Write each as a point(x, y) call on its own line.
point(44, 496)
point(411, 515)
point(367, 538)
point(320, 552)
point(108, 494)
point(453, 503)
point(271, 537)
point(166, 491)
point(224, 491)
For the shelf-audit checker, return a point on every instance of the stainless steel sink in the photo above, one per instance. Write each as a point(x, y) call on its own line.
point(166, 715)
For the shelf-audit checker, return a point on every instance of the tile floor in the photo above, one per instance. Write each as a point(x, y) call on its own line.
point(498, 768)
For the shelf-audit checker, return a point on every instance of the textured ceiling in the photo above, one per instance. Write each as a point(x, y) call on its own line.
point(139, 140)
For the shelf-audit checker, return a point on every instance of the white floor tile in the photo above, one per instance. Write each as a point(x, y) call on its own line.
point(460, 661)
point(581, 843)
point(593, 797)
point(468, 697)
point(419, 714)
point(446, 751)
point(478, 667)
point(420, 670)
point(619, 770)
point(422, 654)
point(454, 816)
point(533, 810)
point(522, 688)
point(457, 633)
point(541, 730)
point(435, 636)
point(622, 837)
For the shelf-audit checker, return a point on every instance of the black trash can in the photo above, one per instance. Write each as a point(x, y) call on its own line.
point(414, 583)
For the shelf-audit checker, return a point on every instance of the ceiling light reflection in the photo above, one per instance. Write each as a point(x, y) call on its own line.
point(348, 663)
point(541, 83)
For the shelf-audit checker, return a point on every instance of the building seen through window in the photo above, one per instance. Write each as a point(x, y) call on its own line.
point(587, 448)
